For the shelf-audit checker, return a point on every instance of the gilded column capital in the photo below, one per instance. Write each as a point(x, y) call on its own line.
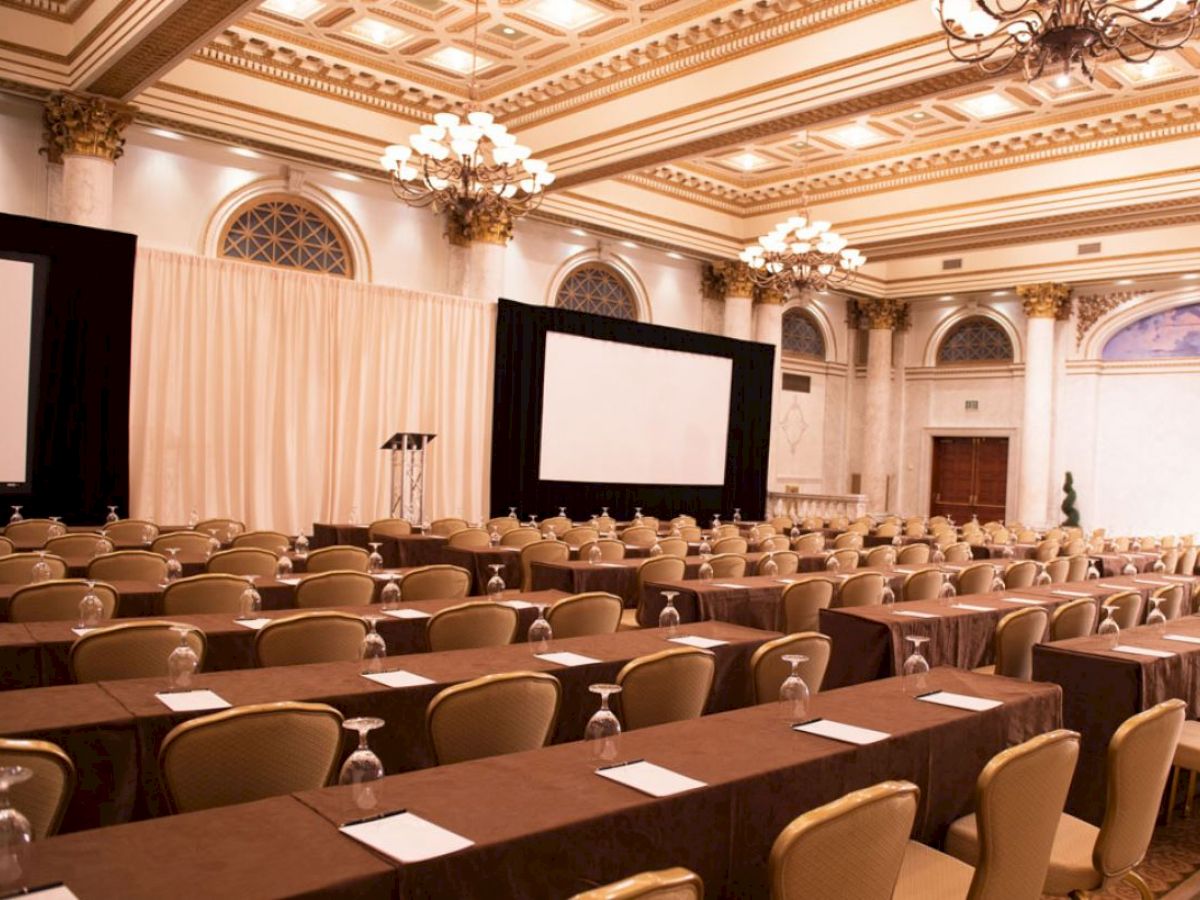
point(769, 296)
point(879, 313)
point(735, 276)
point(76, 125)
point(1046, 300)
point(485, 226)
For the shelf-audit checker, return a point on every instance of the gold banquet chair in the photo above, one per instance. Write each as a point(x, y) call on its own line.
point(17, 568)
point(130, 650)
point(130, 534)
point(382, 528)
point(271, 541)
point(6, 546)
point(339, 556)
point(913, 555)
point(1172, 603)
point(1019, 798)
point(469, 625)
point(1046, 550)
point(666, 884)
point(560, 525)
point(787, 562)
point(639, 536)
point(768, 669)
point(502, 525)
point(656, 569)
point(1020, 574)
point(730, 545)
point(436, 582)
point(850, 849)
point(672, 546)
point(802, 602)
point(976, 579)
point(83, 543)
point(1085, 858)
point(849, 540)
point(250, 753)
point(847, 559)
point(1058, 569)
point(880, 557)
point(243, 561)
point(58, 601)
point(129, 565)
point(1074, 619)
point(861, 589)
point(610, 550)
point(222, 528)
point(1016, 635)
point(519, 537)
point(1127, 608)
point(33, 532)
point(669, 686)
point(583, 614)
point(206, 593)
point(809, 543)
point(335, 588)
point(310, 637)
point(469, 539)
point(192, 542)
point(923, 584)
point(542, 551)
point(1077, 570)
point(959, 552)
point(728, 565)
point(493, 715)
point(43, 798)
point(577, 537)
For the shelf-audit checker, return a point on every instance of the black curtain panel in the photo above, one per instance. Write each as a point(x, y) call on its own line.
point(517, 421)
point(79, 383)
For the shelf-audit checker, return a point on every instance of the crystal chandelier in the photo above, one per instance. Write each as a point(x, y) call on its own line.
point(469, 168)
point(995, 35)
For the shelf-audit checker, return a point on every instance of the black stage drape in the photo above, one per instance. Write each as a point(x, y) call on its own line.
point(79, 447)
point(517, 420)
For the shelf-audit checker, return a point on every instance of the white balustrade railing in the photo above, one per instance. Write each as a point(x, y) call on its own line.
point(783, 503)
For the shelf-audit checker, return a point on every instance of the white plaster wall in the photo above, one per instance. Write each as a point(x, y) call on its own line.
point(22, 170)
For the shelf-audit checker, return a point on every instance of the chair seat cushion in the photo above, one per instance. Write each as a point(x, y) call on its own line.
point(1071, 867)
point(1187, 754)
point(629, 620)
point(927, 874)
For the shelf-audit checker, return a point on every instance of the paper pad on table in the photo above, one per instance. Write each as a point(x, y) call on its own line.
point(726, 584)
point(914, 614)
point(839, 731)
point(398, 679)
point(406, 838)
point(564, 658)
point(695, 641)
point(192, 701)
point(1022, 600)
point(406, 614)
point(1185, 638)
point(960, 701)
point(253, 624)
point(973, 607)
point(52, 892)
point(1141, 651)
point(649, 778)
point(1072, 593)
point(516, 604)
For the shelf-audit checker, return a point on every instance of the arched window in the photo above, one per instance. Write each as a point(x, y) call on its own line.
point(801, 335)
point(1170, 334)
point(976, 339)
point(286, 231)
point(597, 288)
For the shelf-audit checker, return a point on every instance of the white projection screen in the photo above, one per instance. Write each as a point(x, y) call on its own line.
point(16, 332)
point(622, 413)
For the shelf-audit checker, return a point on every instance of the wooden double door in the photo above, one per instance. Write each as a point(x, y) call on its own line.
point(970, 477)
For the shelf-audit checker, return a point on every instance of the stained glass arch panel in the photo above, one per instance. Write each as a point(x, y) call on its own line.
point(801, 334)
point(289, 232)
point(596, 288)
point(976, 339)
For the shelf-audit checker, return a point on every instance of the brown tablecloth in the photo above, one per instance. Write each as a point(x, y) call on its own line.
point(1102, 688)
point(410, 550)
point(479, 563)
point(329, 534)
point(270, 848)
point(531, 842)
point(618, 577)
point(20, 658)
point(1114, 563)
point(193, 564)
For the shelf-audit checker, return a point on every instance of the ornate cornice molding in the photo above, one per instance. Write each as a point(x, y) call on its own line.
point(878, 313)
point(734, 278)
point(1091, 308)
point(485, 227)
point(76, 125)
point(1046, 300)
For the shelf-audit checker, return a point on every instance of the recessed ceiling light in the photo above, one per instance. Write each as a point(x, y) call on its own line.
point(946, 297)
point(1190, 276)
point(1000, 293)
point(1155, 68)
point(1125, 281)
point(508, 30)
point(630, 244)
point(170, 135)
point(293, 9)
point(579, 232)
point(571, 15)
point(920, 115)
point(674, 255)
point(346, 176)
point(377, 32)
point(858, 136)
point(988, 106)
point(457, 60)
point(747, 161)
point(1062, 81)
point(246, 152)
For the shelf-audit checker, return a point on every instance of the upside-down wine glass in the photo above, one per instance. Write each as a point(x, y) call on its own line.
point(56, 527)
point(112, 516)
point(768, 566)
point(889, 596)
point(362, 765)
point(1129, 568)
point(793, 692)
point(16, 516)
point(1159, 566)
point(1109, 626)
point(389, 597)
point(494, 537)
point(149, 533)
point(374, 648)
point(998, 585)
point(103, 545)
point(669, 617)
point(375, 560)
point(512, 512)
point(1093, 573)
point(916, 667)
point(656, 548)
point(495, 585)
point(562, 511)
point(1136, 545)
point(705, 547)
point(214, 542)
point(182, 662)
point(1157, 619)
point(1043, 577)
point(705, 572)
point(737, 514)
point(301, 544)
point(174, 566)
point(937, 557)
point(947, 592)
point(795, 532)
point(637, 515)
point(41, 569)
point(283, 564)
point(91, 609)
point(832, 564)
point(594, 553)
point(532, 521)
point(603, 728)
point(251, 600)
point(540, 633)
point(16, 834)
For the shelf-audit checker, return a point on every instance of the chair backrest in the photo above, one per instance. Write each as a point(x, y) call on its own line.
point(888, 530)
point(781, 524)
point(249, 753)
point(836, 523)
point(850, 849)
point(6, 546)
point(880, 557)
point(1001, 535)
point(922, 584)
point(207, 593)
point(667, 884)
point(388, 528)
point(1016, 634)
point(271, 541)
point(520, 536)
point(310, 637)
point(1055, 534)
point(542, 551)
point(847, 559)
point(195, 542)
point(610, 550)
point(936, 521)
point(130, 650)
point(1046, 550)
point(775, 542)
point(1074, 547)
point(690, 532)
point(58, 601)
point(493, 715)
point(1170, 559)
point(82, 543)
point(665, 687)
point(803, 601)
point(850, 540)
point(728, 565)
point(976, 579)
point(129, 533)
point(944, 537)
point(43, 798)
point(727, 530)
point(768, 669)
point(809, 543)
point(447, 526)
point(1128, 606)
point(639, 535)
point(959, 552)
point(657, 569)
point(502, 525)
point(913, 554)
point(1077, 568)
point(1074, 619)
point(859, 527)
point(479, 624)
point(339, 556)
point(17, 568)
point(33, 532)
point(129, 565)
point(1172, 600)
point(560, 525)
point(335, 588)
point(787, 562)
point(1121, 544)
point(469, 539)
point(673, 546)
point(583, 614)
point(915, 529)
point(580, 535)
point(437, 582)
point(1020, 574)
point(731, 545)
point(861, 589)
point(1058, 569)
point(1187, 561)
point(243, 561)
point(1139, 757)
point(606, 524)
point(1019, 800)
point(226, 529)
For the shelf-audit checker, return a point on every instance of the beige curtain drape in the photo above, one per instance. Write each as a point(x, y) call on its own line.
point(264, 394)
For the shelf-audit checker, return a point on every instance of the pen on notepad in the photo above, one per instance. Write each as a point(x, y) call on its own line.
point(926, 694)
point(808, 722)
point(394, 812)
point(618, 765)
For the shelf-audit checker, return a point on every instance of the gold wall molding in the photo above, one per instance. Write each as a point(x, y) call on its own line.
point(1046, 300)
point(1091, 308)
point(485, 227)
point(734, 279)
point(878, 313)
point(769, 296)
point(76, 125)
point(67, 11)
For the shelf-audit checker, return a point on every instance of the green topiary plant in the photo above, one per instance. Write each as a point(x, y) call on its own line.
point(1068, 504)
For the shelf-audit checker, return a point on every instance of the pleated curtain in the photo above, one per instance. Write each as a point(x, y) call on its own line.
point(264, 393)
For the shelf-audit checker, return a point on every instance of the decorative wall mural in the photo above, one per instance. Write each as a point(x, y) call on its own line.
point(1169, 334)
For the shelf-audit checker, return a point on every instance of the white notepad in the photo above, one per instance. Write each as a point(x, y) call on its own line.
point(82, 631)
point(54, 892)
point(386, 576)
point(516, 604)
point(612, 565)
point(406, 838)
point(1142, 651)
point(914, 614)
point(839, 731)
point(695, 641)
point(1072, 593)
point(649, 778)
point(406, 614)
point(565, 658)
point(1184, 578)
point(192, 701)
point(253, 624)
point(1024, 601)
point(398, 679)
point(960, 701)
point(973, 607)
point(1185, 638)
point(1153, 581)
point(289, 580)
point(726, 584)
point(1107, 584)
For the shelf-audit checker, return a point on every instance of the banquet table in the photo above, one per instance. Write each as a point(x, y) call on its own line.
point(403, 744)
point(478, 562)
point(410, 550)
point(329, 534)
point(1114, 563)
point(617, 577)
point(1102, 688)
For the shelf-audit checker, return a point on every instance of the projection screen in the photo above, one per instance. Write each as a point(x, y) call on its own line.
point(615, 412)
point(16, 334)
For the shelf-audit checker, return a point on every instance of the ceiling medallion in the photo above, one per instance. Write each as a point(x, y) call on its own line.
point(468, 167)
point(995, 35)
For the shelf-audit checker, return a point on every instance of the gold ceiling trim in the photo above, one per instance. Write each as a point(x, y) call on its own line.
point(51, 9)
point(82, 46)
point(680, 192)
point(641, 214)
point(1042, 267)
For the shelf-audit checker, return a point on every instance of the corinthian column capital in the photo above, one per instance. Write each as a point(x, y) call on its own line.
point(1046, 300)
point(76, 125)
point(735, 277)
point(879, 312)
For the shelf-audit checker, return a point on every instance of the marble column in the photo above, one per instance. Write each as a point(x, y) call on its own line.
point(881, 317)
point(739, 299)
point(1044, 304)
point(768, 329)
point(86, 134)
point(477, 254)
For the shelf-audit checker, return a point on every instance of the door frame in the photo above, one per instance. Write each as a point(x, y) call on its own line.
point(926, 464)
